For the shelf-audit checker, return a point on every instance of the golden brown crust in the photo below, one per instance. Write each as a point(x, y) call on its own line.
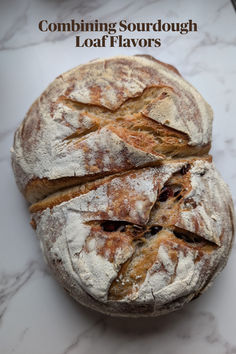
point(97, 111)
point(69, 191)
point(139, 224)
point(132, 216)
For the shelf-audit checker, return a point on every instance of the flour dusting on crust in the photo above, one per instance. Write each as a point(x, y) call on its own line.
point(136, 219)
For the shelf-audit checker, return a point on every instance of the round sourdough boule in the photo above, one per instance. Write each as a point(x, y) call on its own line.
point(107, 116)
point(132, 216)
point(123, 247)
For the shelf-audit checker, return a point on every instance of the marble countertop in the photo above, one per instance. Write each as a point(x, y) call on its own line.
point(36, 315)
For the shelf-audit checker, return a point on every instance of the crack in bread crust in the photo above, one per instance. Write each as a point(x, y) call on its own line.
point(129, 107)
point(134, 271)
point(67, 191)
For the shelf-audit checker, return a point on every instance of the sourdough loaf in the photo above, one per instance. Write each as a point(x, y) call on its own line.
point(132, 216)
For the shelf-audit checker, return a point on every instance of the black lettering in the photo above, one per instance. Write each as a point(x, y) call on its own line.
point(104, 38)
point(88, 43)
point(131, 27)
point(126, 43)
point(63, 27)
point(175, 27)
point(113, 41)
point(77, 41)
point(159, 25)
point(166, 27)
point(97, 43)
point(120, 41)
point(112, 28)
point(143, 42)
point(75, 27)
point(191, 25)
point(41, 25)
point(183, 28)
point(52, 27)
point(157, 42)
point(134, 42)
point(123, 25)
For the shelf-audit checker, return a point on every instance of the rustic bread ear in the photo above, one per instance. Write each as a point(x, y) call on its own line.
point(132, 217)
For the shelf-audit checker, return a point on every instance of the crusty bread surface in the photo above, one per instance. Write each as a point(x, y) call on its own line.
point(132, 216)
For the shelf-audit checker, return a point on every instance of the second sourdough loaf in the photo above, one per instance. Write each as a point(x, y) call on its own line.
point(131, 214)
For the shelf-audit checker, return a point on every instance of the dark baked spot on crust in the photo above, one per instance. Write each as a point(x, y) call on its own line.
point(190, 202)
point(111, 226)
point(193, 238)
point(136, 231)
point(185, 169)
point(166, 192)
point(187, 238)
point(155, 229)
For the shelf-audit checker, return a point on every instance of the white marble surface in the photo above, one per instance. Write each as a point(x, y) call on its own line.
point(36, 316)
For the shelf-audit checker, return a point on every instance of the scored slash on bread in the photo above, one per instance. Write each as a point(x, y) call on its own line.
point(131, 214)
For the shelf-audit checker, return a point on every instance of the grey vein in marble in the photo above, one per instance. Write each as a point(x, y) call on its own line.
point(10, 284)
